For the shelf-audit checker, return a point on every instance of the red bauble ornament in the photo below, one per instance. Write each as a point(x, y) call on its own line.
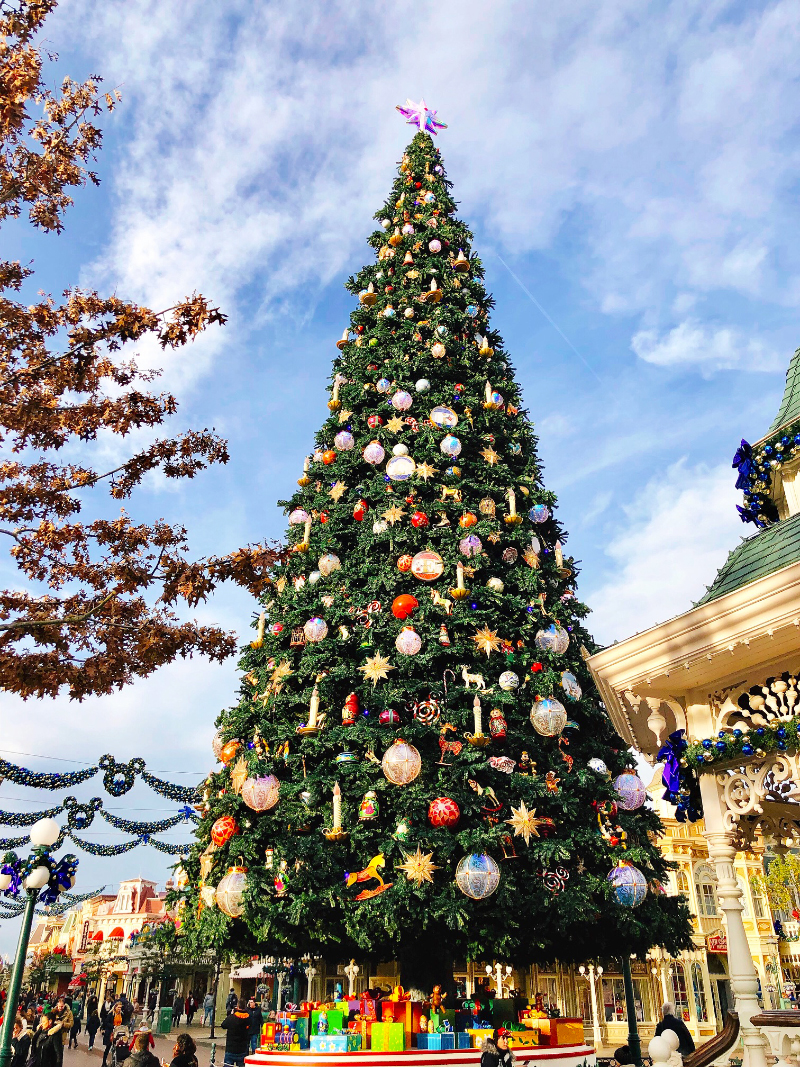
point(419, 518)
point(329, 456)
point(323, 516)
point(229, 750)
point(536, 667)
point(404, 605)
point(223, 830)
point(388, 717)
point(443, 812)
point(374, 421)
point(388, 289)
point(404, 564)
point(350, 710)
point(360, 329)
point(417, 185)
point(467, 519)
point(360, 510)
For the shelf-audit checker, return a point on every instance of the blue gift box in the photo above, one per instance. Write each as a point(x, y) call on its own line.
point(448, 1040)
point(431, 1041)
point(335, 1042)
point(463, 1040)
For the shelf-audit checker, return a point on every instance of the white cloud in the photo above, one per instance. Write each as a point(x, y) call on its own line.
point(673, 539)
point(693, 344)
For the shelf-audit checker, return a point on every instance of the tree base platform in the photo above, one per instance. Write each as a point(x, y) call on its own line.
point(560, 1056)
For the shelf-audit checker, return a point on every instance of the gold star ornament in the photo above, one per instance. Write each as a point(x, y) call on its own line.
point(524, 823)
point(490, 455)
point(418, 868)
point(487, 641)
point(337, 491)
point(279, 676)
point(239, 775)
point(393, 514)
point(426, 471)
point(376, 669)
point(344, 415)
point(395, 424)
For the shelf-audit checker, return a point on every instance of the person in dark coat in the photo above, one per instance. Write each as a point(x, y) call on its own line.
point(141, 1055)
point(47, 1048)
point(495, 1051)
point(20, 1043)
point(237, 1041)
point(177, 1009)
point(231, 1003)
point(256, 1022)
point(92, 1020)
point(670, 1021)
point(107, 1024)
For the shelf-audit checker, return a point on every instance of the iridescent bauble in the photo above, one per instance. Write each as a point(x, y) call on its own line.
point(374, 453)
point(569, 683)
point(632, 793)
point(630, 885)
point(404, 605)
point(472, 310)
point(298, 517)
point(401, 763)
point(400, 468)
point(497, 401)
point(441, 330)
point(229, 894)
point(553, 639)
point(217, 743)
point(497, 585)
point(438, 350)
point(388, 312)
point(450, 446)
point(315, 629)
point(597, 765)
point(383, 385)
point(427, 565)
point(434, 245)
point(548, 716)
point(470, 545)
point(477, 876)
point(508, 681)
point(402, 401)
point(422, 386)
point(344, 441)
point(443, 812)
point(408, 642)
point(400, 449)
point(443, 417)
point(223, 830)
point(261, 794)
point(328, 563)
point(539, 513)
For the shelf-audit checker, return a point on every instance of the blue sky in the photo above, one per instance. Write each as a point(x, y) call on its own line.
point(630, 165)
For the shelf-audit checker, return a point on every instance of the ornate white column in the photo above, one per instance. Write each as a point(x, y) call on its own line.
point(743, 976)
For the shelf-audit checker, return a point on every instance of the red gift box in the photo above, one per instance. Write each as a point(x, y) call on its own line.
point(368, 1008)
point(407, 1012)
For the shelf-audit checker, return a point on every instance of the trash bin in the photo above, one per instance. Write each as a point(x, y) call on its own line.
point(164, 1021)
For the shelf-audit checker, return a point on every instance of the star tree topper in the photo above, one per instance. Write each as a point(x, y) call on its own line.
point(421, 115)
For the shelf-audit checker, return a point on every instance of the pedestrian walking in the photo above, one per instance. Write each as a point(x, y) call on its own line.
point(256, 1022)
point(208, 1008)
point(47, 1047)
point(191, 1008)
point(107, 1024)
point(92, 1020)
point(237, 1040)
point(20, 1043)
point(77, 1018)
point(184, 1052)
point(231, 1003)
point(177, 1009)
point(669, 1021)
point(64, 1021)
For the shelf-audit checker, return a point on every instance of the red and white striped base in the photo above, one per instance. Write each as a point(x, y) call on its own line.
point(562, 1056)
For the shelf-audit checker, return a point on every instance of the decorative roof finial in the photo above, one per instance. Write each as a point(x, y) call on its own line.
point(420, 115)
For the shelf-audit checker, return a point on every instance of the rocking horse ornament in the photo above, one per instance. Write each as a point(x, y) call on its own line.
point(369, 874)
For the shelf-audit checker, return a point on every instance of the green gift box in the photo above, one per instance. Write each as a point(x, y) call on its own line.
point(436, 1019)
point(388, 1037)
point(335, 1020)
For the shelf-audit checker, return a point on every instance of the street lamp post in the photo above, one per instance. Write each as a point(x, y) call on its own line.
point(634, 1043)
point(35, 874)
point(595, 975)
point(500, 979)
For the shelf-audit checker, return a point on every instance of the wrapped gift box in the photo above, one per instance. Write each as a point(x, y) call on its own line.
point(336, 1043)
point(335, 1020)
point(429, 1041)
point(448, 1040)
point(407, 1012)
point(503, 1011)
point(306, 1006)
point(388, 1037)
point(367, 1007)
point(479, 1036)
point(435, 1019)
point(463, 1040)
point(524, 1039)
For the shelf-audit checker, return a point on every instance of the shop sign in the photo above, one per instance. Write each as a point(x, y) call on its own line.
point(717, 942)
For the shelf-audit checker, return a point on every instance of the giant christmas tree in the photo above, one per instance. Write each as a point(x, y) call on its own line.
point(418, 766)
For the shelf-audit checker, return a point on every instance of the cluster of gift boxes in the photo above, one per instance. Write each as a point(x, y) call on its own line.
point(396, 1025)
